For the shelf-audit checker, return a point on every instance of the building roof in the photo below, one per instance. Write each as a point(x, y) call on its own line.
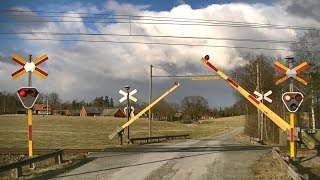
point(177, 115)
point(41, 107)
point(75, 112)
point(111, 112)
point(94, 110)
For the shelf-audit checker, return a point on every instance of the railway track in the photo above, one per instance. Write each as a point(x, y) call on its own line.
point(19, 151)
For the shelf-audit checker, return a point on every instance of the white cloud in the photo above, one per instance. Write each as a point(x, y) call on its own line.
point(93, 67)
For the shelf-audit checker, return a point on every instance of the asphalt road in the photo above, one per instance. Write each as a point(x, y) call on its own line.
point(211, 158)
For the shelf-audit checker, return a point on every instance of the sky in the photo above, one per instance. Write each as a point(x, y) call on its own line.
point(83, 66)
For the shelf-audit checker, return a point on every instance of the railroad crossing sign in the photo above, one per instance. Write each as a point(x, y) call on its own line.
point(264, 96)
point(28, 96)
point(291, 73)
point(29, 66)
point(130, 95)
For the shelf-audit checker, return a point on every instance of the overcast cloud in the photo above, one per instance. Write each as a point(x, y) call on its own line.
point(84, 70)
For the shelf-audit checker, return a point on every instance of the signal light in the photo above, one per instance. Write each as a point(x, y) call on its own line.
point(292, 100)
point(22, 93)
point(28, 96)
point(287, 97)
point(206, 57)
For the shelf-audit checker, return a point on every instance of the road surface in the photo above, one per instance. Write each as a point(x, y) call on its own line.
point(212, 158)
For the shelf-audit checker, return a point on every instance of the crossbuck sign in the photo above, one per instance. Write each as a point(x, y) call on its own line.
point(130, 96)
point(263, 96)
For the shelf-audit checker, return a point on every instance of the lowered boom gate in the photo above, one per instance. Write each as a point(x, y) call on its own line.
point(268, 112)
point(119, 129)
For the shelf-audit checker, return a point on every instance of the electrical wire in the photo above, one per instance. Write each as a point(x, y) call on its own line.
point(154, 36)
point(149, 43)
point(170, 20)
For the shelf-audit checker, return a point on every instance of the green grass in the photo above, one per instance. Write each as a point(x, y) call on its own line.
point(92, 132)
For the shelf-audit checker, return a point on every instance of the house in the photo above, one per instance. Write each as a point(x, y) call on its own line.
point(42, 109)
point(91, 111)
point(74, 112)
point(64, 112)
point(177, 116)
point(115, 112)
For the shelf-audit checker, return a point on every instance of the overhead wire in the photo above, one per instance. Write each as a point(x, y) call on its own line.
point(150, 43)
point(137, 19)
point(153, 36)
point(170, 20)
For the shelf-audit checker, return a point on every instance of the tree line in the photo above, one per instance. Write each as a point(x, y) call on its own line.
point(192, 107)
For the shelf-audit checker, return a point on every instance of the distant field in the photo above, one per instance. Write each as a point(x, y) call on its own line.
point(92, 132)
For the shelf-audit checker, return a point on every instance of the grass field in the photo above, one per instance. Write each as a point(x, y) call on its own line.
point(92, 132)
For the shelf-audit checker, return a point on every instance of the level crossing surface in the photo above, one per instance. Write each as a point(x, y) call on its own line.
point(211, 158)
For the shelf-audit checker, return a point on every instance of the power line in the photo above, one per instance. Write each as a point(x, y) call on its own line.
point(152, 36)
point(149, 43)
point(170, 20)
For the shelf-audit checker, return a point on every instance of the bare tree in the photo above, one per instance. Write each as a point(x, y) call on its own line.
point(194, 106)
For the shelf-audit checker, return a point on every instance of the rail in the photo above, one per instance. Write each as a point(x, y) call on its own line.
point(41, 151)
point(148, 139)
point(18, 165)
point(294, 175)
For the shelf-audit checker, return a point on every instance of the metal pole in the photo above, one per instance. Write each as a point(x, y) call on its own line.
point(292, 151)
point(47, 106)
point(292, 144)
point(150, 98)
point(29, 79)
point(128, 109)
point(30, 144)
point(262, 119)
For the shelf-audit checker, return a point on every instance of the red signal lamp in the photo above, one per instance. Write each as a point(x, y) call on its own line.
point(287, 97)
point(33, 93)
point(298, 97)
point(22, 92)
point(206, 57)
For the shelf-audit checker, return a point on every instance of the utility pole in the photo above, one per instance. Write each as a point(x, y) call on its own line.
point(150, 98)
point(47, 106)
point(127, 87)
point(260, 134)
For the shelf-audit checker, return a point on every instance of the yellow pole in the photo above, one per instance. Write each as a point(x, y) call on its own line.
point(30, 132)
point(292, 154)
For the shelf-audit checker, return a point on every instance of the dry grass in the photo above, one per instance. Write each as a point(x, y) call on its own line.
point(268, 168)
point(92, 132)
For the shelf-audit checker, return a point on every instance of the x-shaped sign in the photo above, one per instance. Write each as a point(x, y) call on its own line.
point(130, 95)
point(291, 73)
point(264, 96)
point(29, 66)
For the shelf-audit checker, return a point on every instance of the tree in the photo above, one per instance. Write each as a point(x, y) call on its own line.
point(307, 49)
point(111, 104)
point(257, 72)
point(163, 110)
point(194, 106)
point(54, 100)
point(106, 101)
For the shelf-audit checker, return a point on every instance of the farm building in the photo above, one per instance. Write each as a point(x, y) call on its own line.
point(41, 109)
point(91, 111)
point(74, 112)
point(64, 112)
point(178, 116)
point(113, 112)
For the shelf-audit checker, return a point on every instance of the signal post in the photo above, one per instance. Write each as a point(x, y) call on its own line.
point(29, 95)
point(292, 100)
